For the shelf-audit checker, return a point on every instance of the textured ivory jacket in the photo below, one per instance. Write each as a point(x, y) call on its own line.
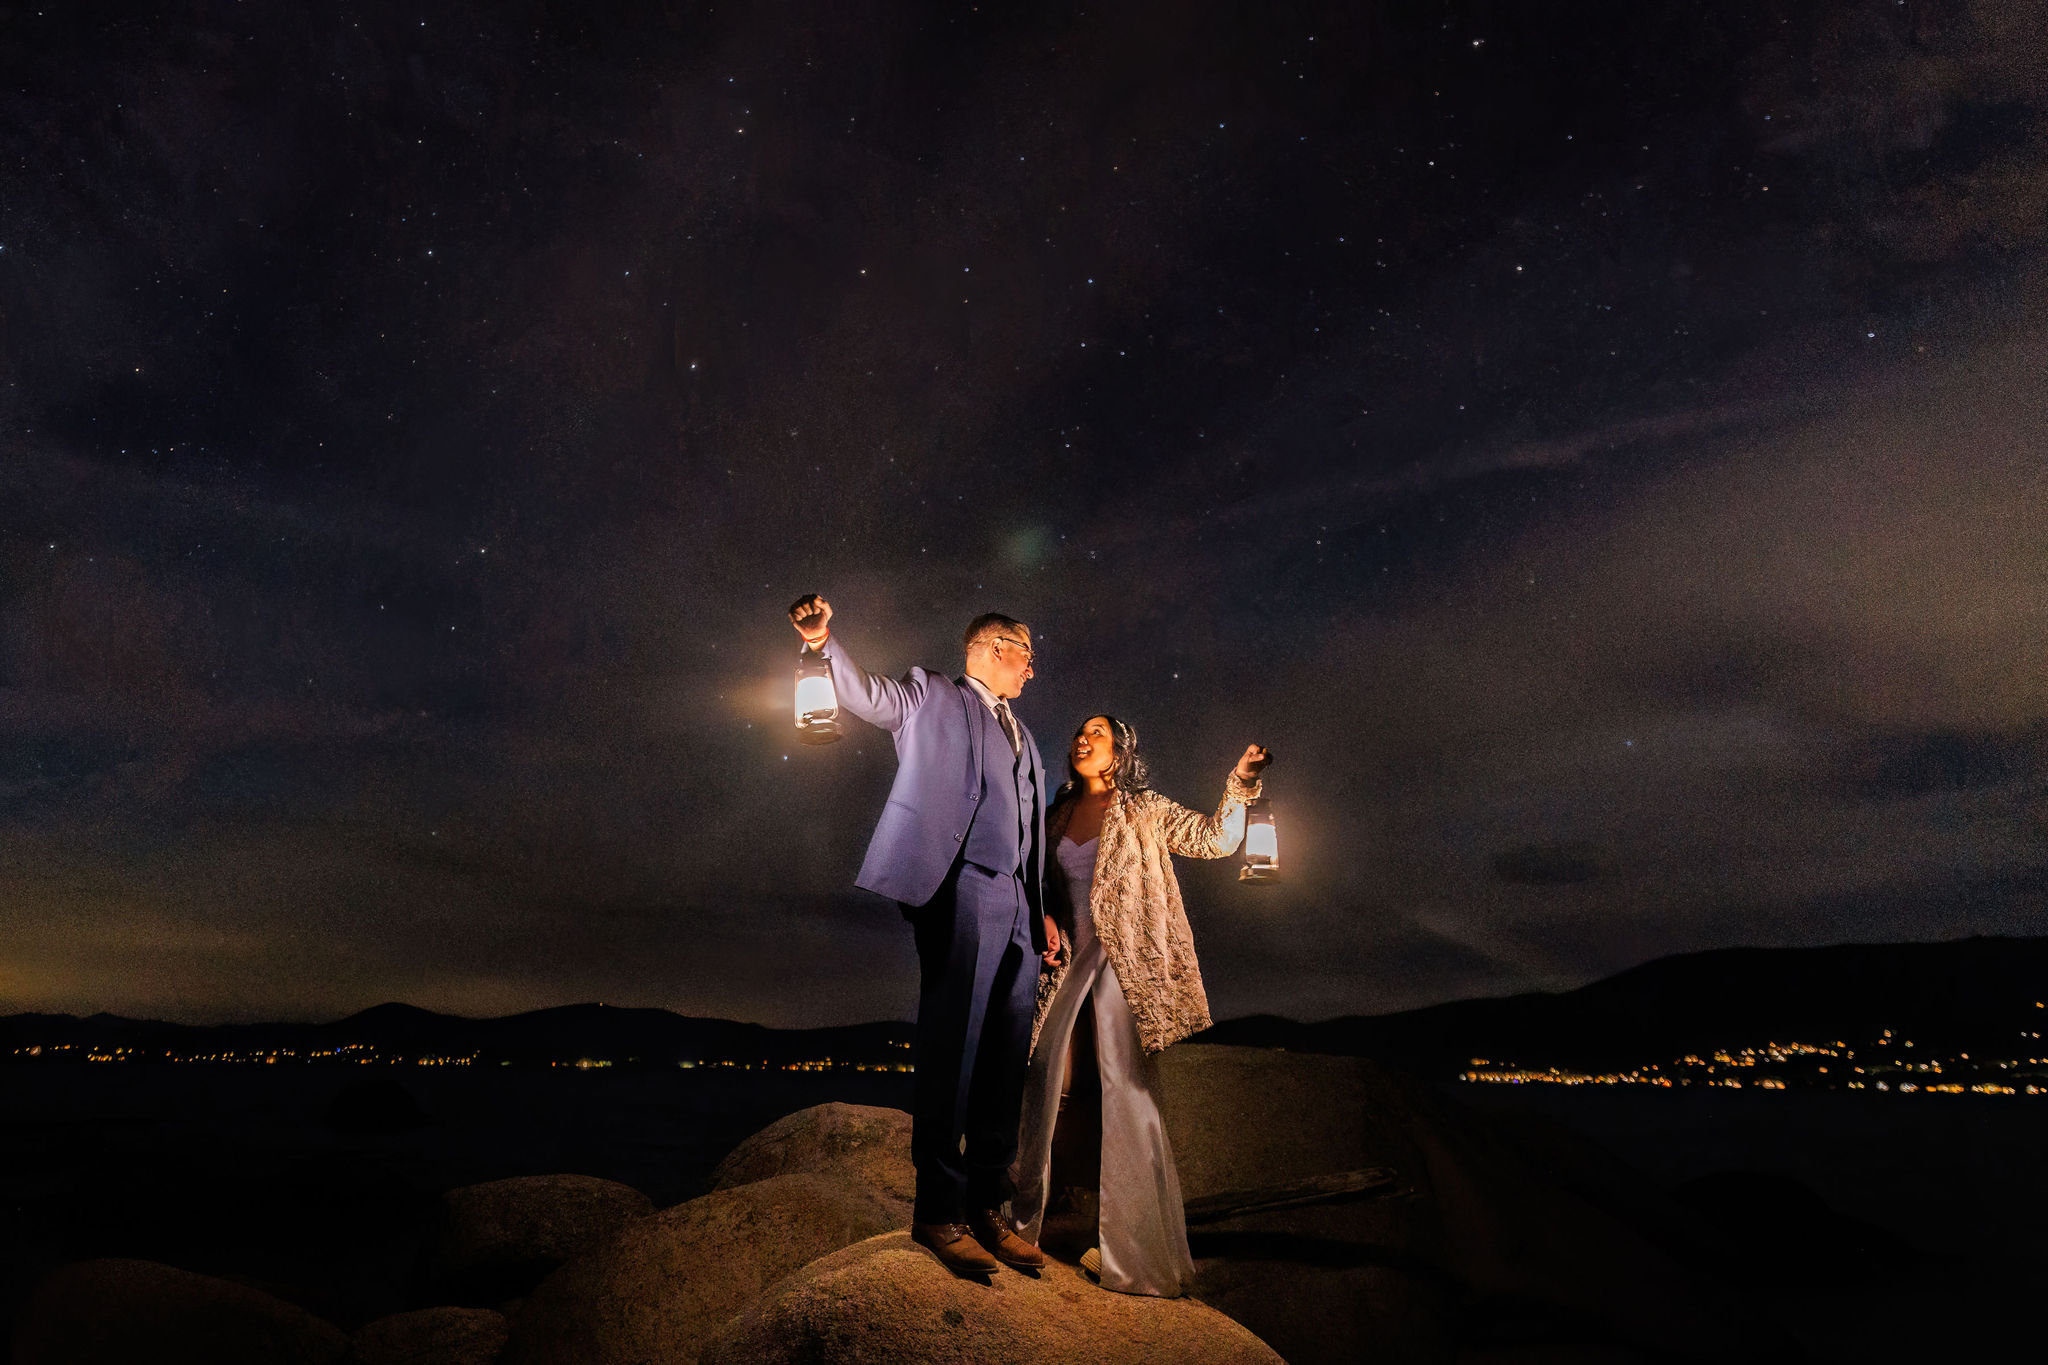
point(1137, 908)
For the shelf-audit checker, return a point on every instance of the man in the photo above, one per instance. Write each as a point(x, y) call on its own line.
point(961, 847)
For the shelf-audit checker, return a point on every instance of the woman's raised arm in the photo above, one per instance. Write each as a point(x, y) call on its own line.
point(1194, 835)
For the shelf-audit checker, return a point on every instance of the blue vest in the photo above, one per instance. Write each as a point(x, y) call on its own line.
point(1001, 836)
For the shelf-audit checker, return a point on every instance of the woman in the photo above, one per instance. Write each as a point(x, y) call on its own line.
point(1124, 942)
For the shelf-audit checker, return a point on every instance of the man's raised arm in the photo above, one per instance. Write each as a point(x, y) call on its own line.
point(882, 702)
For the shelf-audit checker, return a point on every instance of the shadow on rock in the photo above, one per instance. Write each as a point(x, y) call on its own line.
point(497, 1240)
point(662, 1284)
point(119, 1312)
point(431, 1336)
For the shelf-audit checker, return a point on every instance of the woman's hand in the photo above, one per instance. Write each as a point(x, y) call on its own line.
point(1052, 942)
point(1253, 763)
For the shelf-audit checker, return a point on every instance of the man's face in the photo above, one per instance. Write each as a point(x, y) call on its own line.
point(1009, 664)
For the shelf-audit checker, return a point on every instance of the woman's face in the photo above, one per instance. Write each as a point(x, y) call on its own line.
point(1093, 753)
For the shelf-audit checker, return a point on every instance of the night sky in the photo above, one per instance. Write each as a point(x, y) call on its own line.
point(1602, 449)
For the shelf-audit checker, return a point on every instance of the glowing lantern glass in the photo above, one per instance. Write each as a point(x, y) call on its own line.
point(1261, 845)
point(817, 705)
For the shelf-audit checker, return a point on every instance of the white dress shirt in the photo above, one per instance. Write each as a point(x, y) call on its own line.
point(998, 707)
point(988, 698)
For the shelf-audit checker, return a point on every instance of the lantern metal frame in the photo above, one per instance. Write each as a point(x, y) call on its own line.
point(1259, 869)
point(816, 725)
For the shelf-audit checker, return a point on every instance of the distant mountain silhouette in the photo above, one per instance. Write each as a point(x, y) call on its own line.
point(564, 1034)
point(1974, 993)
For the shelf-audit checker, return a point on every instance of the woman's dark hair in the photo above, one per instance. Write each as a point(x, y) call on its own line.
point(1126, 773)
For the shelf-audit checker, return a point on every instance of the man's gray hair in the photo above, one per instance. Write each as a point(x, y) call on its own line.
point(991, 626)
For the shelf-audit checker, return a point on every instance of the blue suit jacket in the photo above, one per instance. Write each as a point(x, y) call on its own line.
point(938, 785)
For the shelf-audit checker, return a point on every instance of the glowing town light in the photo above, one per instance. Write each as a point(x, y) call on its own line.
point(817, 705)
point(1261, 845)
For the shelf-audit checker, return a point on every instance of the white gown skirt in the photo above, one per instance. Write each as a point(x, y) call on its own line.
point(1142, 1232)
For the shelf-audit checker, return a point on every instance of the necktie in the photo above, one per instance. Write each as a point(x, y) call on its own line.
point(1009, 726)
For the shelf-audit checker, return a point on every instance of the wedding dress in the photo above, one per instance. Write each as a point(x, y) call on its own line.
point(1142, 1231)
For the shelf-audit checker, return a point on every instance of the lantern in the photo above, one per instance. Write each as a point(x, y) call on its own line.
point(817, 705)
point(1261, 845)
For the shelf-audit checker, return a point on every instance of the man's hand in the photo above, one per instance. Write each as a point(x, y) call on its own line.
point(811, 614)
point(1052, 942)
point(1253, 763)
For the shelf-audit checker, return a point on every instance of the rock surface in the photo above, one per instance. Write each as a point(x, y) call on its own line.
point(863, 1144)
point(119, 1312)
point(431, 1336)
point(497, 1240)
point(888, 1300)
point(653, 1293)
point(1505, 1242)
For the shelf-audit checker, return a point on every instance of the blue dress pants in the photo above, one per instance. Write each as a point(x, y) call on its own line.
point(977, 993)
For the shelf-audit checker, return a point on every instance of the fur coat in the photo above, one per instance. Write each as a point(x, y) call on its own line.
point(1137, 908)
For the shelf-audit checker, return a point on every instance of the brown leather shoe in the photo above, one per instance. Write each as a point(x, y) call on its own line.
point(1003, 1244)
point(955, 1247)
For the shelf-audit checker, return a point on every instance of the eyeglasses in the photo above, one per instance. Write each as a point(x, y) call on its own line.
point(1029, 652)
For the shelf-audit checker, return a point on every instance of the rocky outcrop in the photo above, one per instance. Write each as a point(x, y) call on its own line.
point(653, 1293)
point(887, 1299)
point(1337, 1211)
point(118, 1312)
point(1497, 1243)
point(866, 1146)
point(431, 1336)
point(497, 1240)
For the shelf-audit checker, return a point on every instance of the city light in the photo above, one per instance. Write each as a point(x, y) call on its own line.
point(1798, 1066)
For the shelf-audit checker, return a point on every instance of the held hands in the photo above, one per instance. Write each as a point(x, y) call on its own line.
point(1052, 942)
point(1253, 763)
point(811, 614)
